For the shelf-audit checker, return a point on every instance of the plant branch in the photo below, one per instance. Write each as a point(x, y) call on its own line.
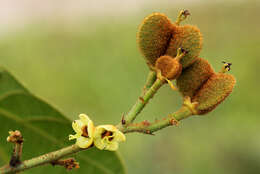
point(41, 160)
point(148, 128)
point(141, 102)
point(149, 81)
point(16, 138)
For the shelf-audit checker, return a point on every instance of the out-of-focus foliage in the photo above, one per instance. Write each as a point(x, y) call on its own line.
point(96, 68)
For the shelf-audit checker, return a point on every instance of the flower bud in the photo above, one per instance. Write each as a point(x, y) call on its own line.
point(153, 36)
point(213, 92)
point(190, 39)
point(193, 77)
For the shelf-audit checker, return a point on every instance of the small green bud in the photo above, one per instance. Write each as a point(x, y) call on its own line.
point(153, 36)
point(213, 92)
point(193, 77)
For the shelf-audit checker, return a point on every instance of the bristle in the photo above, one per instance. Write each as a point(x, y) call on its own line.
point(213, 92)
point(193, 77)
point(169, 67)
point(190, 39)
point(153, 36)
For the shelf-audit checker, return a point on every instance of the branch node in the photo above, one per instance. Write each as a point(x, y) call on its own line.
point(149, 132)
point(142, 99)
point(174, 122)
point(69, 163)
point(146, 123)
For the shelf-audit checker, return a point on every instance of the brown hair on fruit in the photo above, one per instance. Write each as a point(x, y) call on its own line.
point(153, 36)
point(190, 39)
point(213, 92)
point(193, 77)
point(170, 68)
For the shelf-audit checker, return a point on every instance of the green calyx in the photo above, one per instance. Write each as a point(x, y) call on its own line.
point(193, 77)
point(213, 92)
point(153, 36)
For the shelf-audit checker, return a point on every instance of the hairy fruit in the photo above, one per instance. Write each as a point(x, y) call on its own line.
point(213, 92)
point(193, 77)
point(170, 67)
point(153, 36)
point(190, 39)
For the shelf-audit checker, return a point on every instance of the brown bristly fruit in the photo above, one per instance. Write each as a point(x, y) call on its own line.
point(170, 67)
point(193, 77)
point(213, 92)
point(153, 36)
point(187, 37)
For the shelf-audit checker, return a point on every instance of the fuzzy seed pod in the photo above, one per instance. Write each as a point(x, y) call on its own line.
point(153, 36)
point(193, 77)
point(170, 67)
point(213, 92)
point(190, 39)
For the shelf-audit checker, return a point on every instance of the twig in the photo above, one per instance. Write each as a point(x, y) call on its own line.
point(149, 81)
point(149, 128)
point(41, 160)
point(140, 103)
point(16, 138)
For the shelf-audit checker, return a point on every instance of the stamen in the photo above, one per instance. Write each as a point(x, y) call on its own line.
point(85, 131)
point(106, 133)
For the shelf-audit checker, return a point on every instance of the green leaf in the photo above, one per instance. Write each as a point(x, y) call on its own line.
point(44, 129)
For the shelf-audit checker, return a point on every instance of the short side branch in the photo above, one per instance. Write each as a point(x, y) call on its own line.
point(150, 128)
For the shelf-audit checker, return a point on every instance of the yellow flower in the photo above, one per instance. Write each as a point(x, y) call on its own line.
point(84, 129)
point(107, 137)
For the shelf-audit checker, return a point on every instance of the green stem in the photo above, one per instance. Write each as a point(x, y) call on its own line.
point(149, 128)
point(41, 160)
point(149, 81)
point(141, 102)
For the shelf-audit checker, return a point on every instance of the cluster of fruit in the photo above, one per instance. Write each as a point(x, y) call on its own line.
point(172, 51)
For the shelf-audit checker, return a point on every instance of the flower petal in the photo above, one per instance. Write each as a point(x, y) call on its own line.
point(72, 137)
point(77, 126)
point(84, 118)
point(99, 143)
point(84, 142)
point(91, 128)
point(108, 127)
point(113, 146)
point(119, 136)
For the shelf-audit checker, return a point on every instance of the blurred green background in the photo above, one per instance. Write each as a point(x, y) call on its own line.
point(91, 64)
